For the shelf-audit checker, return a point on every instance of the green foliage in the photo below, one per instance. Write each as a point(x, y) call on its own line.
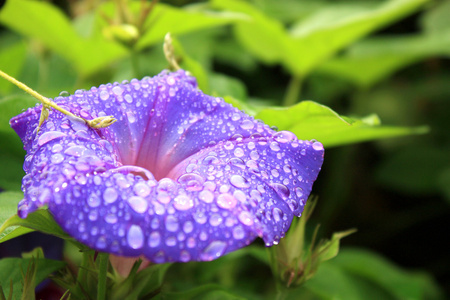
point(316, 38)
point(25, 274)
point(310, 120)
point(348, 55)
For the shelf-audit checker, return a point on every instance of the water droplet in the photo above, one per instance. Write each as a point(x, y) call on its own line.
point(229, 145)
point(139, 204)
point(167, 185)
point(64, 94)
point(226, 201)
point(274, 146)
point(281, 190)
point(238, 152)
point(135, 237)
point(131, 117)
point(254, 155)
point(141, 189)
point(185, 256)
point(128, 98)
point(215, 220)
point(188, 227)
point(101, 242)
point(76, 151)
point(117, 90)
point(238, 233)
point(275, 173)
point(110, 195)
point(57, 158)
point(251, 145)
point(277, 214)
point(246, 218)
point(287, 168)
point(206, 196)
point(171, 223)
point(235, 116)
point(104, 95)
point(48, 136)
point(111, 218)
point(299, 191)
point(170, 80)
point(183, 202)
point(154, 239)
point(247, 124)
point(192, 181)
point(239, 181)
point(317, 146)
point(171, 241)
point(237, 162)
point(191, 242)
point(211, 160)
point(93, 200)
point(213, 250)
point(163, 197)
point(284, 136)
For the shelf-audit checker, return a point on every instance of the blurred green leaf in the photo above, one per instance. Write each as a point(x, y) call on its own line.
point(207, 291)
point(223, 85)
point(444, 183)
point(331, 282)
point(261, 35)
point(310, 120)
point(56, 32)
point(12, 106)
point(12, 59)
point(436, 19)
point(165, 18)
point(399, 283)
point(15, 267)
point(189, 64)
point(8, 204)
point(40, 220)
point(414, 170)
point(317, 38)
point(372, 60)
point(330, 249)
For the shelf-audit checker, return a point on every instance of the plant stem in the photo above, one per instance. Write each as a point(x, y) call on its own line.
point(102, 275)
point(293, 90)
point(100, 122)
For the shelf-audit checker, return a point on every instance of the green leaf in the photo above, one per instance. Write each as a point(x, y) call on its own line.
point(310, 120)
point(414, 170)
point(331, 282)
point(207, 291)
point(330, 248)
point(262, 36)
point(436, 19)
point(223, 85)
point(40, 220)
point(165, 18)
point(8, 205)
point(191, 65)
point(317, 38)
point(380, 57)
point(399, 283)
point(12, 59)
point(15, 267)
point(444, 183)
point(56, 32)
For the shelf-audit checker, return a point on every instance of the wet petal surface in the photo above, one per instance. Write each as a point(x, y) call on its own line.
point(181, 176)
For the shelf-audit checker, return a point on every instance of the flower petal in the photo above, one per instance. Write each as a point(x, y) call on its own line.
point(222, 178)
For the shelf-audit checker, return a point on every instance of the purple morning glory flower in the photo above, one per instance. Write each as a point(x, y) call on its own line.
point(181, 176)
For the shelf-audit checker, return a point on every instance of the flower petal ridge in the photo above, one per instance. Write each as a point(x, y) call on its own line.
point(180, 176)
